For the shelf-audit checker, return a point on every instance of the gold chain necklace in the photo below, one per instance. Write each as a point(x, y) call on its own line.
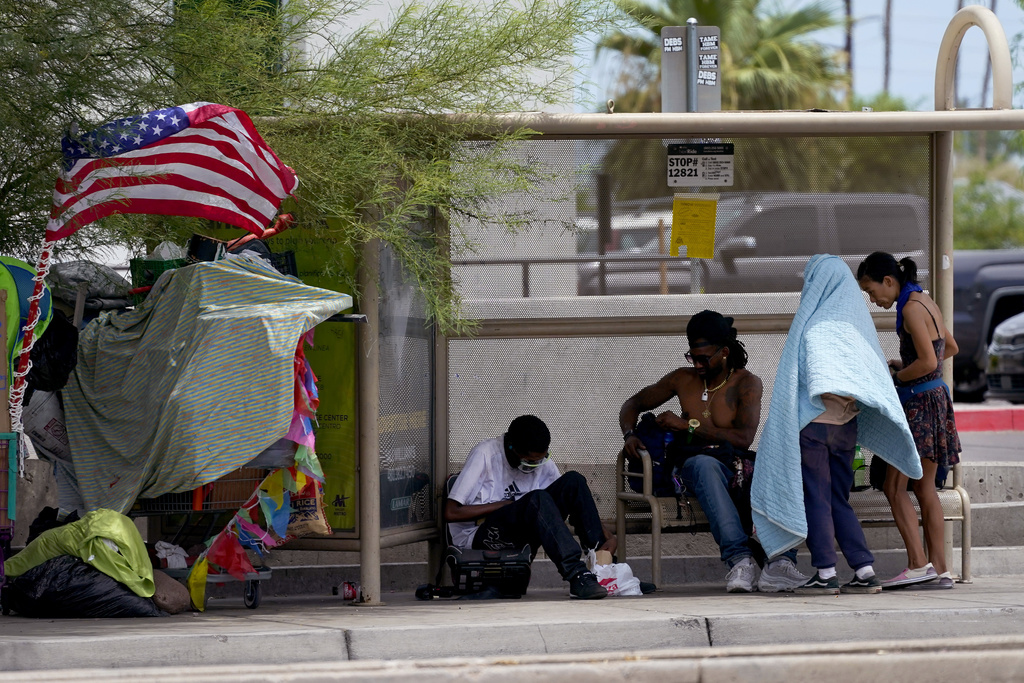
point(704, 396)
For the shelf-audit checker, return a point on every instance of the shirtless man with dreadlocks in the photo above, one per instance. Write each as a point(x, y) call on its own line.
point(720, 403)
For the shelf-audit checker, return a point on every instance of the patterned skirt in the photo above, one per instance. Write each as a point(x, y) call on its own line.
point(930, 415)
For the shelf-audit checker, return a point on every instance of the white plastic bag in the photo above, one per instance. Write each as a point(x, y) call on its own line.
point(617, 578)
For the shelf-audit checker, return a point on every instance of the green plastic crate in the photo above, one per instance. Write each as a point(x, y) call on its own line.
point(145, 273)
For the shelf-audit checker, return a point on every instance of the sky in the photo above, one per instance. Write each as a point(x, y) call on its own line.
point(917, 28)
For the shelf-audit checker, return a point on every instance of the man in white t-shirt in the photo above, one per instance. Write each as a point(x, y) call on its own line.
point(509, 494)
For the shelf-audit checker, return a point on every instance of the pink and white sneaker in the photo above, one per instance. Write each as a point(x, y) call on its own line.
point(909, 577)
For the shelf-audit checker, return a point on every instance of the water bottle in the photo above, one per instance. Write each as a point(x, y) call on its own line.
point(858, 467)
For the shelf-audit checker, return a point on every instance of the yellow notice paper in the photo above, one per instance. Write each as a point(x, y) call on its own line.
point(693, 225)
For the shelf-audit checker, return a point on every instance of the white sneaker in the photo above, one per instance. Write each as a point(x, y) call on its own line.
point(740, 578)
point(780, 576)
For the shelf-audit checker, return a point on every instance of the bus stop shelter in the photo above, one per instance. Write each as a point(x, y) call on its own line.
point(425, 399)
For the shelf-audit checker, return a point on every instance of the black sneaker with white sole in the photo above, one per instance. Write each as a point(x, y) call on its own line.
point(819, 586)
point(585, 586)
point(869, 585)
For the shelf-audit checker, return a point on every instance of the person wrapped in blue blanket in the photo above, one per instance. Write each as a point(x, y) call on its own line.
point(831, 392)
point(720, 409)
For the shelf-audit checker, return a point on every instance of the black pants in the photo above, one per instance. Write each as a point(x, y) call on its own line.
point(538, 519)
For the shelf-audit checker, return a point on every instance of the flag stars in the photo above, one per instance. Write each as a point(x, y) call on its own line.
point(161, 116)
point(175, 120)
point(157, 130)
point(137, 139)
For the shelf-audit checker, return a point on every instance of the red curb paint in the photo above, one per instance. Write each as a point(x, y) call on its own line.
point(985, 419)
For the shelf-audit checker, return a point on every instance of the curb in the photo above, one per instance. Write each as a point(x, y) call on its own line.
point(989, 418)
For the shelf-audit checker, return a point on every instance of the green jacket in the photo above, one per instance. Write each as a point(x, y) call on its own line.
point(87, 539)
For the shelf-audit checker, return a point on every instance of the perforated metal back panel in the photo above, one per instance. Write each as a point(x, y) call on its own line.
point(406, 393)
point(792, 199)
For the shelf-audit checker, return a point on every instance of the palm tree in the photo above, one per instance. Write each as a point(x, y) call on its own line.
point(848, 49)
point(887, 41)
point(767, 60)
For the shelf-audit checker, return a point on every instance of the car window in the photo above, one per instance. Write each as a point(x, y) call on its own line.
point(586, 242)
point(864, 228)
point(783, 231)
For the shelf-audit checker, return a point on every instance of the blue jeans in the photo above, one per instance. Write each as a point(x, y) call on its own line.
point(826, 460)
point(728, 511)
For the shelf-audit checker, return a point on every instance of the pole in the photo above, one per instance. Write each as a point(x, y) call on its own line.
point(691, 65)
point(604, 227)
point(663, 249)
point(696, 286)
point(369, 436)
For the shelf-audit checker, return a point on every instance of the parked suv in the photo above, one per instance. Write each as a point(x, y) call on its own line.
point(1006, 360)
point(988, 288)
point(764, 240)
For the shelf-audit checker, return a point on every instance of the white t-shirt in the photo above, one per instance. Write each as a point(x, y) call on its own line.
point(487, 478)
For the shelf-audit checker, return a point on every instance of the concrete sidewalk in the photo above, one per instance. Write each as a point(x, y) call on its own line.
point(312, 629)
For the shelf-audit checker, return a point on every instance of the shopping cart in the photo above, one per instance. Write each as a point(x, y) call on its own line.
point(202, 510)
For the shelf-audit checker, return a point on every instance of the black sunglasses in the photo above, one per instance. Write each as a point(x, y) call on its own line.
point(699, 358)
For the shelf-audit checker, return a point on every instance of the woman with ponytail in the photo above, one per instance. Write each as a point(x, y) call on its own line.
point(924, 343)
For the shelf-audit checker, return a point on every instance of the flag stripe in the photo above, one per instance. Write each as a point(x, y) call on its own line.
point(129, 190)
point(158, 207)
point(197, 178)
point(201, 160)
point(207, 148)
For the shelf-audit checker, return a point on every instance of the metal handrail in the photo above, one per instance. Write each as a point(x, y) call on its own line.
point(525, 263)
point(565, 259)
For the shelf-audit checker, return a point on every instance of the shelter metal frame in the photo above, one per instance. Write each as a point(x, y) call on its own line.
point(939, 125)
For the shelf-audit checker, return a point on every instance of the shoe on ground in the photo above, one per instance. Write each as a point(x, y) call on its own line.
point(909, 577)
point(585, 586)
point(780, 576)
point(819, 586)
point(943, 582)
point(740, 578)
point(647, 587)
point(869, 585)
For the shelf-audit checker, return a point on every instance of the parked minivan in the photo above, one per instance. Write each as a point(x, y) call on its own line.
point(764, 240)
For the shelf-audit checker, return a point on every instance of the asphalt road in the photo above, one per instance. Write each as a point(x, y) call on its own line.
point(992, 446)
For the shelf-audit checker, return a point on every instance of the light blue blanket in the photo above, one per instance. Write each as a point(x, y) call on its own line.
point(832, 347)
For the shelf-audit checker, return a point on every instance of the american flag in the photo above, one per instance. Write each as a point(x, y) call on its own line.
point(202, 160)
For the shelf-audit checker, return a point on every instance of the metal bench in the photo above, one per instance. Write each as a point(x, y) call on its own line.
point(645, 513)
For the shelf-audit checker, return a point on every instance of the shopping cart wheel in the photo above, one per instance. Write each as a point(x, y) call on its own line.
point(251, 594)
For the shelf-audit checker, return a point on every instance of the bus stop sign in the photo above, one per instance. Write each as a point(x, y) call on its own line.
point(700, 164)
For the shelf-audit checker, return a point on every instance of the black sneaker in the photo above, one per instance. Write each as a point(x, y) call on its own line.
point(819, 586)
point(585, 586)
point(868, 585)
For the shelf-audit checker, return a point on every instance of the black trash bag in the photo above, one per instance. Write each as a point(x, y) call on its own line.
point(66, 587)
point(879, 469)
point(46, 520)
point(54, 355)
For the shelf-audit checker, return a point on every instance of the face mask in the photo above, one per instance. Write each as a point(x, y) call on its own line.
point(531, 467)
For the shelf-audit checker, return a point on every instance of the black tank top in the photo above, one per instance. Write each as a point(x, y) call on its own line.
point(908, 354)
